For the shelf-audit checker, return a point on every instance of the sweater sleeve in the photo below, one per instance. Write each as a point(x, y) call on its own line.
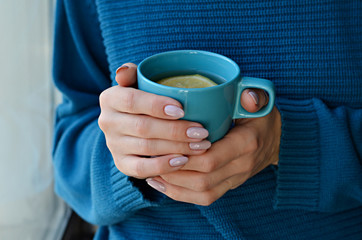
point(320, 165)
point(85, 175)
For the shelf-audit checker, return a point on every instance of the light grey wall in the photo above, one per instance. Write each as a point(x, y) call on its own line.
point(28, 207)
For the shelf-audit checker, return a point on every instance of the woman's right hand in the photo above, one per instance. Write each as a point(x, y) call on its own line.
point(142, 131)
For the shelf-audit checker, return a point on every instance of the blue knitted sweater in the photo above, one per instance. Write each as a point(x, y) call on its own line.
point(311, 50)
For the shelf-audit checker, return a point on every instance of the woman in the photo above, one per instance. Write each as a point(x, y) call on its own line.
point(294, 174)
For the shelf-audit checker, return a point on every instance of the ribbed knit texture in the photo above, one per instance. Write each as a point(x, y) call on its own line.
point(299, 156)
point(311, 50)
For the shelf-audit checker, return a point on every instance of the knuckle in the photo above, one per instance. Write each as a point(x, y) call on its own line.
point(154, 106)
point(174, 130)
point(253, 143)
point(209, 164)
point(122, 145)
point(102, 123)
point(128, 100)
point(105, 123)
point(118, 161)
point(237, 166)
point(207, 199)
point(248, 166)
point(144, 146)
point(104, 98)
point(139, 171)
point(203, 184)
point(141, 127)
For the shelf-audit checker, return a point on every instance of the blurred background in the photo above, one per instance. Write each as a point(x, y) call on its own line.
point(28, 207)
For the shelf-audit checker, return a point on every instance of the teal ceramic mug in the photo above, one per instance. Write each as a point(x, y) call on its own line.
point(214, 107)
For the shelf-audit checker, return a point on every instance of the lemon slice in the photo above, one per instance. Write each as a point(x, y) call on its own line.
point(188, 81)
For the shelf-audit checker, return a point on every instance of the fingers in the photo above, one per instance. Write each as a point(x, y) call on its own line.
point(133, 101)
point(223, 151)
point(252, 100)
point(202, 188)
point(201, 182)
point(156, 147)
point(247, 149)
point(181, 194)
point(127, 153)
point(126, 75)
point(143, 167)
point(143, 126)
point(213, 173)
point(137, 123)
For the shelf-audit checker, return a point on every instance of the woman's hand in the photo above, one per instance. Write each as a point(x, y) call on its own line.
point(251, 146)
point(141, 131)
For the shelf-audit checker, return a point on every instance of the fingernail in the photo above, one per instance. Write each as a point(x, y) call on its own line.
point(174, 111)
point(121, 68)
point(197, 132)
point(266, 98)
point(200, 145)
point(254, 96)
point(156, 185)
point(178, 161)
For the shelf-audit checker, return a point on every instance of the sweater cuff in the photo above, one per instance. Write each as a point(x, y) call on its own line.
point(127, 196)
point(115, 196)
point(298, 177)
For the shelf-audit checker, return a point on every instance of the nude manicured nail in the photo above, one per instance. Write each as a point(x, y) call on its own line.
point(174, 111)
point(254, 96)
point(200, 145)
point(121, 68)
point(178, 161)
point(197, 132)
point(156, 185)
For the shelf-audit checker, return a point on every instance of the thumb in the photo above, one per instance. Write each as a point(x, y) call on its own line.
point(252, 100)
point(126, 75)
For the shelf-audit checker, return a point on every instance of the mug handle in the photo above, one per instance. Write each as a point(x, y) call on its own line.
point(250, 82)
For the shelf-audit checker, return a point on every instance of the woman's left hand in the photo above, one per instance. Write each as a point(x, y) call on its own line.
point(248, 148)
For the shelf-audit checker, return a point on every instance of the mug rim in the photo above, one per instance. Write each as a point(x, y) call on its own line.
point(226, 83)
